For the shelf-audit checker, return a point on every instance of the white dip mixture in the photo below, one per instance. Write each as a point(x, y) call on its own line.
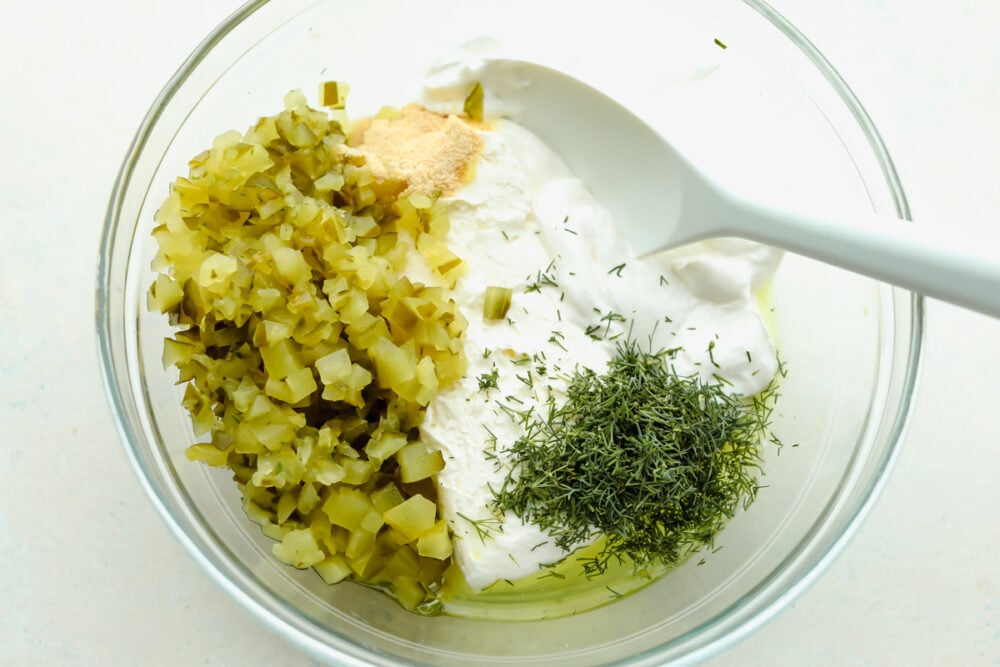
point(524, 222)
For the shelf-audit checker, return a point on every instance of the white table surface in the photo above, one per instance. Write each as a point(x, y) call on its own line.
point(89, 573)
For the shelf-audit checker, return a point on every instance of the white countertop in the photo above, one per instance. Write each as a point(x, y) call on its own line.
point(91, 575)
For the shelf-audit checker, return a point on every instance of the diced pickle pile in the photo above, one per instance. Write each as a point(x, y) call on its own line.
point(308, 356)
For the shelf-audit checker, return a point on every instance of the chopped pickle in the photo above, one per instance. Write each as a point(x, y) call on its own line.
point(474, 103)
point(298, 548)
point(413, 517)
point(333, 569)
point(496, 302)
point(333, 94)
point(417, 462)
point(435, 543)
point(307, 355)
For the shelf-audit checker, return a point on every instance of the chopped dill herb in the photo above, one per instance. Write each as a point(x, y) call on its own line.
point(719, 43)
point(711, 356)
point(615, 594)
point(608, 318)
point(556, 339)
point(546, 278)
point(721, 380)
point(484, 527)
point(664, 281)
point(617, 270)
point(654, 461)
point(552, 574)
point(491, 441)
point(488, 380)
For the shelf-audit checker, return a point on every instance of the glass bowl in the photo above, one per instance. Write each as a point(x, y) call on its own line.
point(851, 345)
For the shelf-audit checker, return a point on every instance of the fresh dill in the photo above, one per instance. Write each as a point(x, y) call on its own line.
point(721, 380)
point(488, 380)
point(546, 278)
point(491, 440)
point(711, 355)
point(526, 380)
point(483, 527)
point(557, 338)
point(552, 574)
point(617, 270)
point(654, 461)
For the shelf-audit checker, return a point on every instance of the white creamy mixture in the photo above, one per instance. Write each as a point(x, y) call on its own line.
point(525, 222)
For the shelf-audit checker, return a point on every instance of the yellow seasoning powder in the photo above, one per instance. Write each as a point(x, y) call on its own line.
point(431, 153)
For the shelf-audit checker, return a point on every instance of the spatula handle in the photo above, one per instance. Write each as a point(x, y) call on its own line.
point(928, 259)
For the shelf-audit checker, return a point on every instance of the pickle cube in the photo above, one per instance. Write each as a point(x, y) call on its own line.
point(413, 517)
point(417, 461)
point(299, 549)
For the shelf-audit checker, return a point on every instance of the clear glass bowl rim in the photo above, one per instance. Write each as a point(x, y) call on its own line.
point(309, 641)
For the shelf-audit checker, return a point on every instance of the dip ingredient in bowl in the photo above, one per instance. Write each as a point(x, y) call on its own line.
point(653, 461)
point(309, 356)
point(389, 335)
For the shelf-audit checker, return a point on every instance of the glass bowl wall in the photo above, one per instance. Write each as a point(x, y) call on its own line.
point(851, 345)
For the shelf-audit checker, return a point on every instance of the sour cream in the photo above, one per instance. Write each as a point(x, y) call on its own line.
point(525, 222)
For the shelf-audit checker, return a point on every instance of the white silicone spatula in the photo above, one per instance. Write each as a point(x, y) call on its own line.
point(662, 200)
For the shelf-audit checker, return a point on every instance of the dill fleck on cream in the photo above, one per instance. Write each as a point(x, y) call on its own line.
point(488, 380)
